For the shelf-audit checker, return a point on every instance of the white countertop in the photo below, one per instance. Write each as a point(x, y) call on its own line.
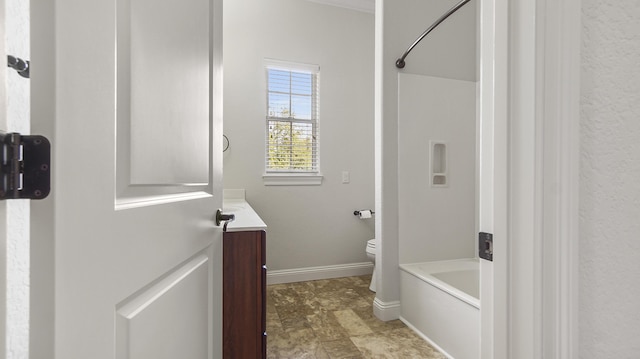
point(246, 218)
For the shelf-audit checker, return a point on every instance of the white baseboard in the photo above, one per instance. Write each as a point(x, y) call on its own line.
point(316, 273)
point(386, 311)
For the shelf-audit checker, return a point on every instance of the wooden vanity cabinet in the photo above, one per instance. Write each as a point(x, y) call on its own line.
point(244, 295)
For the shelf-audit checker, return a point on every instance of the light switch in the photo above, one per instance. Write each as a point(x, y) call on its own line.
point(346, 177)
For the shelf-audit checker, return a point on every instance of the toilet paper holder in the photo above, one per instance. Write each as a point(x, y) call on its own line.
point(357, 213)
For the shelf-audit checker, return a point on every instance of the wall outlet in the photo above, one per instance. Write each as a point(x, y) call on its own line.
point(346, 177)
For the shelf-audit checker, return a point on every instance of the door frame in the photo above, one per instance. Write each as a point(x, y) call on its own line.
point(43, 90)
point(535, 312)
point(550, 151)
point(3, 205)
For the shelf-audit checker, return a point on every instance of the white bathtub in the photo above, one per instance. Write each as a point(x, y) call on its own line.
point(440, 301)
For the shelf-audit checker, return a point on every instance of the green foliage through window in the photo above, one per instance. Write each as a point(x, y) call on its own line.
point(292, 129)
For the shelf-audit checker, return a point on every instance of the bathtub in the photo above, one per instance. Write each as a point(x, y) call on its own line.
point(440, 301)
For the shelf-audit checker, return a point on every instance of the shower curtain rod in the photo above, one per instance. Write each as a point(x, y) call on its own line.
point(18, 64)
point(400, 62)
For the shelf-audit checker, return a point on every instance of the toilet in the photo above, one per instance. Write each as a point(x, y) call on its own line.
point(371, 254)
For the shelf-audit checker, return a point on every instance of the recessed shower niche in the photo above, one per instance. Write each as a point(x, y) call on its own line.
point(438, 163)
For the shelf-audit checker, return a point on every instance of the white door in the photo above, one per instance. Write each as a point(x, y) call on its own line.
point(137, 172)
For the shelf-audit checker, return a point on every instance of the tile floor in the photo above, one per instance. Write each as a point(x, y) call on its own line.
point(333, 319)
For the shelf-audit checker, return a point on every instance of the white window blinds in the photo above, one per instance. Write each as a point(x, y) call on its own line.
point(292, 118)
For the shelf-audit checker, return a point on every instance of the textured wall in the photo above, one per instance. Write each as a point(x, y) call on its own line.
point(17, 30)
point(610, 176)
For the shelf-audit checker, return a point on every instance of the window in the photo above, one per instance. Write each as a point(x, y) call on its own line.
point(292, 124)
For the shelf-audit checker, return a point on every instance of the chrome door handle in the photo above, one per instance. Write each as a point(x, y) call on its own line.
point(221, 217)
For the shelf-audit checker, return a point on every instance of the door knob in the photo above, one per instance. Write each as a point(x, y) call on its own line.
point(221, 217)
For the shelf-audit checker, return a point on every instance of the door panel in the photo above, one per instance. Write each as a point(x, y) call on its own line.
point(163, 320)
point(156, 65)
point(164, 106)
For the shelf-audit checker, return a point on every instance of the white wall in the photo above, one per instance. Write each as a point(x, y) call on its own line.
point(436, 222)
point(308, 226)
point(449, 52)
point(610, 173)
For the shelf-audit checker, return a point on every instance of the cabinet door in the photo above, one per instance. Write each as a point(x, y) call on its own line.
point(244, 304)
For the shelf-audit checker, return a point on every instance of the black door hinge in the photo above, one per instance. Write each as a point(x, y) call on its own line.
point(485, 246)
point(25, 166)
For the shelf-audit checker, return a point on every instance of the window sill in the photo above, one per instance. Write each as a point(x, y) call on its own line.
point(292, 179)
